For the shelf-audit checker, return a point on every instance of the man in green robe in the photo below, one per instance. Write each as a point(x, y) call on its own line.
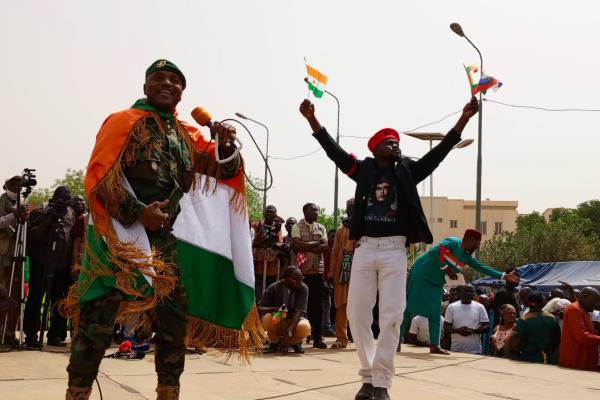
point(428, 275)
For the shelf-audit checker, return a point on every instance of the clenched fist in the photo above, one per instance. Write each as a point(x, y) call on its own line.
point(471, 108)
point(307, 109)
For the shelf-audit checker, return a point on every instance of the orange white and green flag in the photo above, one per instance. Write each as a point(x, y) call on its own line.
point(316, 81)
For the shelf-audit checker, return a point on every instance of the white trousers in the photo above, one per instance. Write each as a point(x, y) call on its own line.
point(378, 264)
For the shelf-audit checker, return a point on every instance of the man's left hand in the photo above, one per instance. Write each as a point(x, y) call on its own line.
point(471, 108)
point(225, 132)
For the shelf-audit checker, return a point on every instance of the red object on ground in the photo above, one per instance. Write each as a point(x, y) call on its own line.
point(125, 346)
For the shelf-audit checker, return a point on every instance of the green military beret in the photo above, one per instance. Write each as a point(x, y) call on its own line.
point(165, 65)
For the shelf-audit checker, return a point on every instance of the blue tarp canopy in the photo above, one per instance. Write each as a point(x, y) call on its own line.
point(546, 276)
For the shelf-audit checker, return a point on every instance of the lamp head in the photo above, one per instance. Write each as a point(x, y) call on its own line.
point(242, 116)
point(456, 28)
point(464, 143)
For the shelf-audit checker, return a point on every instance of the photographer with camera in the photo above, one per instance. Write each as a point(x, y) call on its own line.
point(9, 215)
point(265, 250)
point(49, 250)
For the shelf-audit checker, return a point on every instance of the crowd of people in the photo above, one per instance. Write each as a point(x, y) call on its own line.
point(53, 247)
point(559, 327)
point(522, 324)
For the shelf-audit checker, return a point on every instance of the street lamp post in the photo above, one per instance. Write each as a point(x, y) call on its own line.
point(431, 136)
point(335, 181)
point(456, 28)
point(266, 156)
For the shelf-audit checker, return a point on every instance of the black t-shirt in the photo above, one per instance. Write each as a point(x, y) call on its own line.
point(384, 216)
point(278, 294)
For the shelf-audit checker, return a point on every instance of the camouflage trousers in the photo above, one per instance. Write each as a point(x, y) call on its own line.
point(97, 319)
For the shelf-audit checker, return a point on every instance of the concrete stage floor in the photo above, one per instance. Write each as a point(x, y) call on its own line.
point(319, 374)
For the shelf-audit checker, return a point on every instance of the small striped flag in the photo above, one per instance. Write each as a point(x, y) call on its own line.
point(316, 81)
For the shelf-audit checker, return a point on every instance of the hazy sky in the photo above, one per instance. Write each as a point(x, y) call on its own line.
point(68, 64)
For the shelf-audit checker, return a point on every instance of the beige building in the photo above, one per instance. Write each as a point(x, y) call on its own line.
point(453, 216)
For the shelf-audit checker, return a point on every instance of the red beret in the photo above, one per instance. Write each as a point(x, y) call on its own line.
point(472, 233)
point(384, 134)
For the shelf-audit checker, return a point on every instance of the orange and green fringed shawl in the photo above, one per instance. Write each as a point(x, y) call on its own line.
point(111, 263)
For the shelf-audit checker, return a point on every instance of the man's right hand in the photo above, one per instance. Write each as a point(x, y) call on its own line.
point(21, 212)
point(153, 217)
point(512, 278)
point(463, 331)
point(307, 109)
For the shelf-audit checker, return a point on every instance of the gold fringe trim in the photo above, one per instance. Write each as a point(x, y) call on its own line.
point(244, 342)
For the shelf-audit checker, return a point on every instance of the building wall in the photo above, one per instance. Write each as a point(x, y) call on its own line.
point(462, 212)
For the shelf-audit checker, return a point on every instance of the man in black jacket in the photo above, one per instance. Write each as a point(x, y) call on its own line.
point(387, 218)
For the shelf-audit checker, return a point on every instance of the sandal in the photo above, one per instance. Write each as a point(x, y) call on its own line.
point(338, 345)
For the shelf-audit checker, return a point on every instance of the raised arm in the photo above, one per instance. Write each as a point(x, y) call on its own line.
point(422, 168)
point(344, 161)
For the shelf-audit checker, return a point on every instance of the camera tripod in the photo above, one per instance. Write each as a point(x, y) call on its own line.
point(18, 261)
point(19, 255)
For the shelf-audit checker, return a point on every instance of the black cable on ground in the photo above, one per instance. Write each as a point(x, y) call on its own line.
point(99, 389)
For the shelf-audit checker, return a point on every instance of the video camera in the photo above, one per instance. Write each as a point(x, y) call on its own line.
point(28, 181)
point(29, 178)
point(270, 234)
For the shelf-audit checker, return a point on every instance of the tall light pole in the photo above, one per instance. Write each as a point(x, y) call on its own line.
point(242, 116)
point(335, 180)
point(431, 136)
point(456, 28)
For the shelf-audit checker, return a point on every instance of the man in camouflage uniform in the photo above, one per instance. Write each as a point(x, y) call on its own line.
point(159, 173)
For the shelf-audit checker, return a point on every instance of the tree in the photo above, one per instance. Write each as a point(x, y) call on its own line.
point(529, 221)
point(39, 195)
point(559, 213)
point(255, 199)
point(591, 211)
point(73, 179)
point(564, 238)
point(327, 219)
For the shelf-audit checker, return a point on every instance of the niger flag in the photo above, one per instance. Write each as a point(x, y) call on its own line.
point(213, 244)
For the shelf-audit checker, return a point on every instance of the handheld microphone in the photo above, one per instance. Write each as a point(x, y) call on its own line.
point(202, 117)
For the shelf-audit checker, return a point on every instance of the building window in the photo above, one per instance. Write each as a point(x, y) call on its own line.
point(484, 227)
point(497, 228)
point(440, 220)
point(453, 223)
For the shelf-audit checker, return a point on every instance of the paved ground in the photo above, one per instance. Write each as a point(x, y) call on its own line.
point(319, 374)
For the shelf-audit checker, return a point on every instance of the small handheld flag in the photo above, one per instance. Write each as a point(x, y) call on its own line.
point(485, 82)
point(316, 81)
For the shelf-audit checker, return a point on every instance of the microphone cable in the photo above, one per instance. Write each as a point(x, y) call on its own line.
point(265, 187)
